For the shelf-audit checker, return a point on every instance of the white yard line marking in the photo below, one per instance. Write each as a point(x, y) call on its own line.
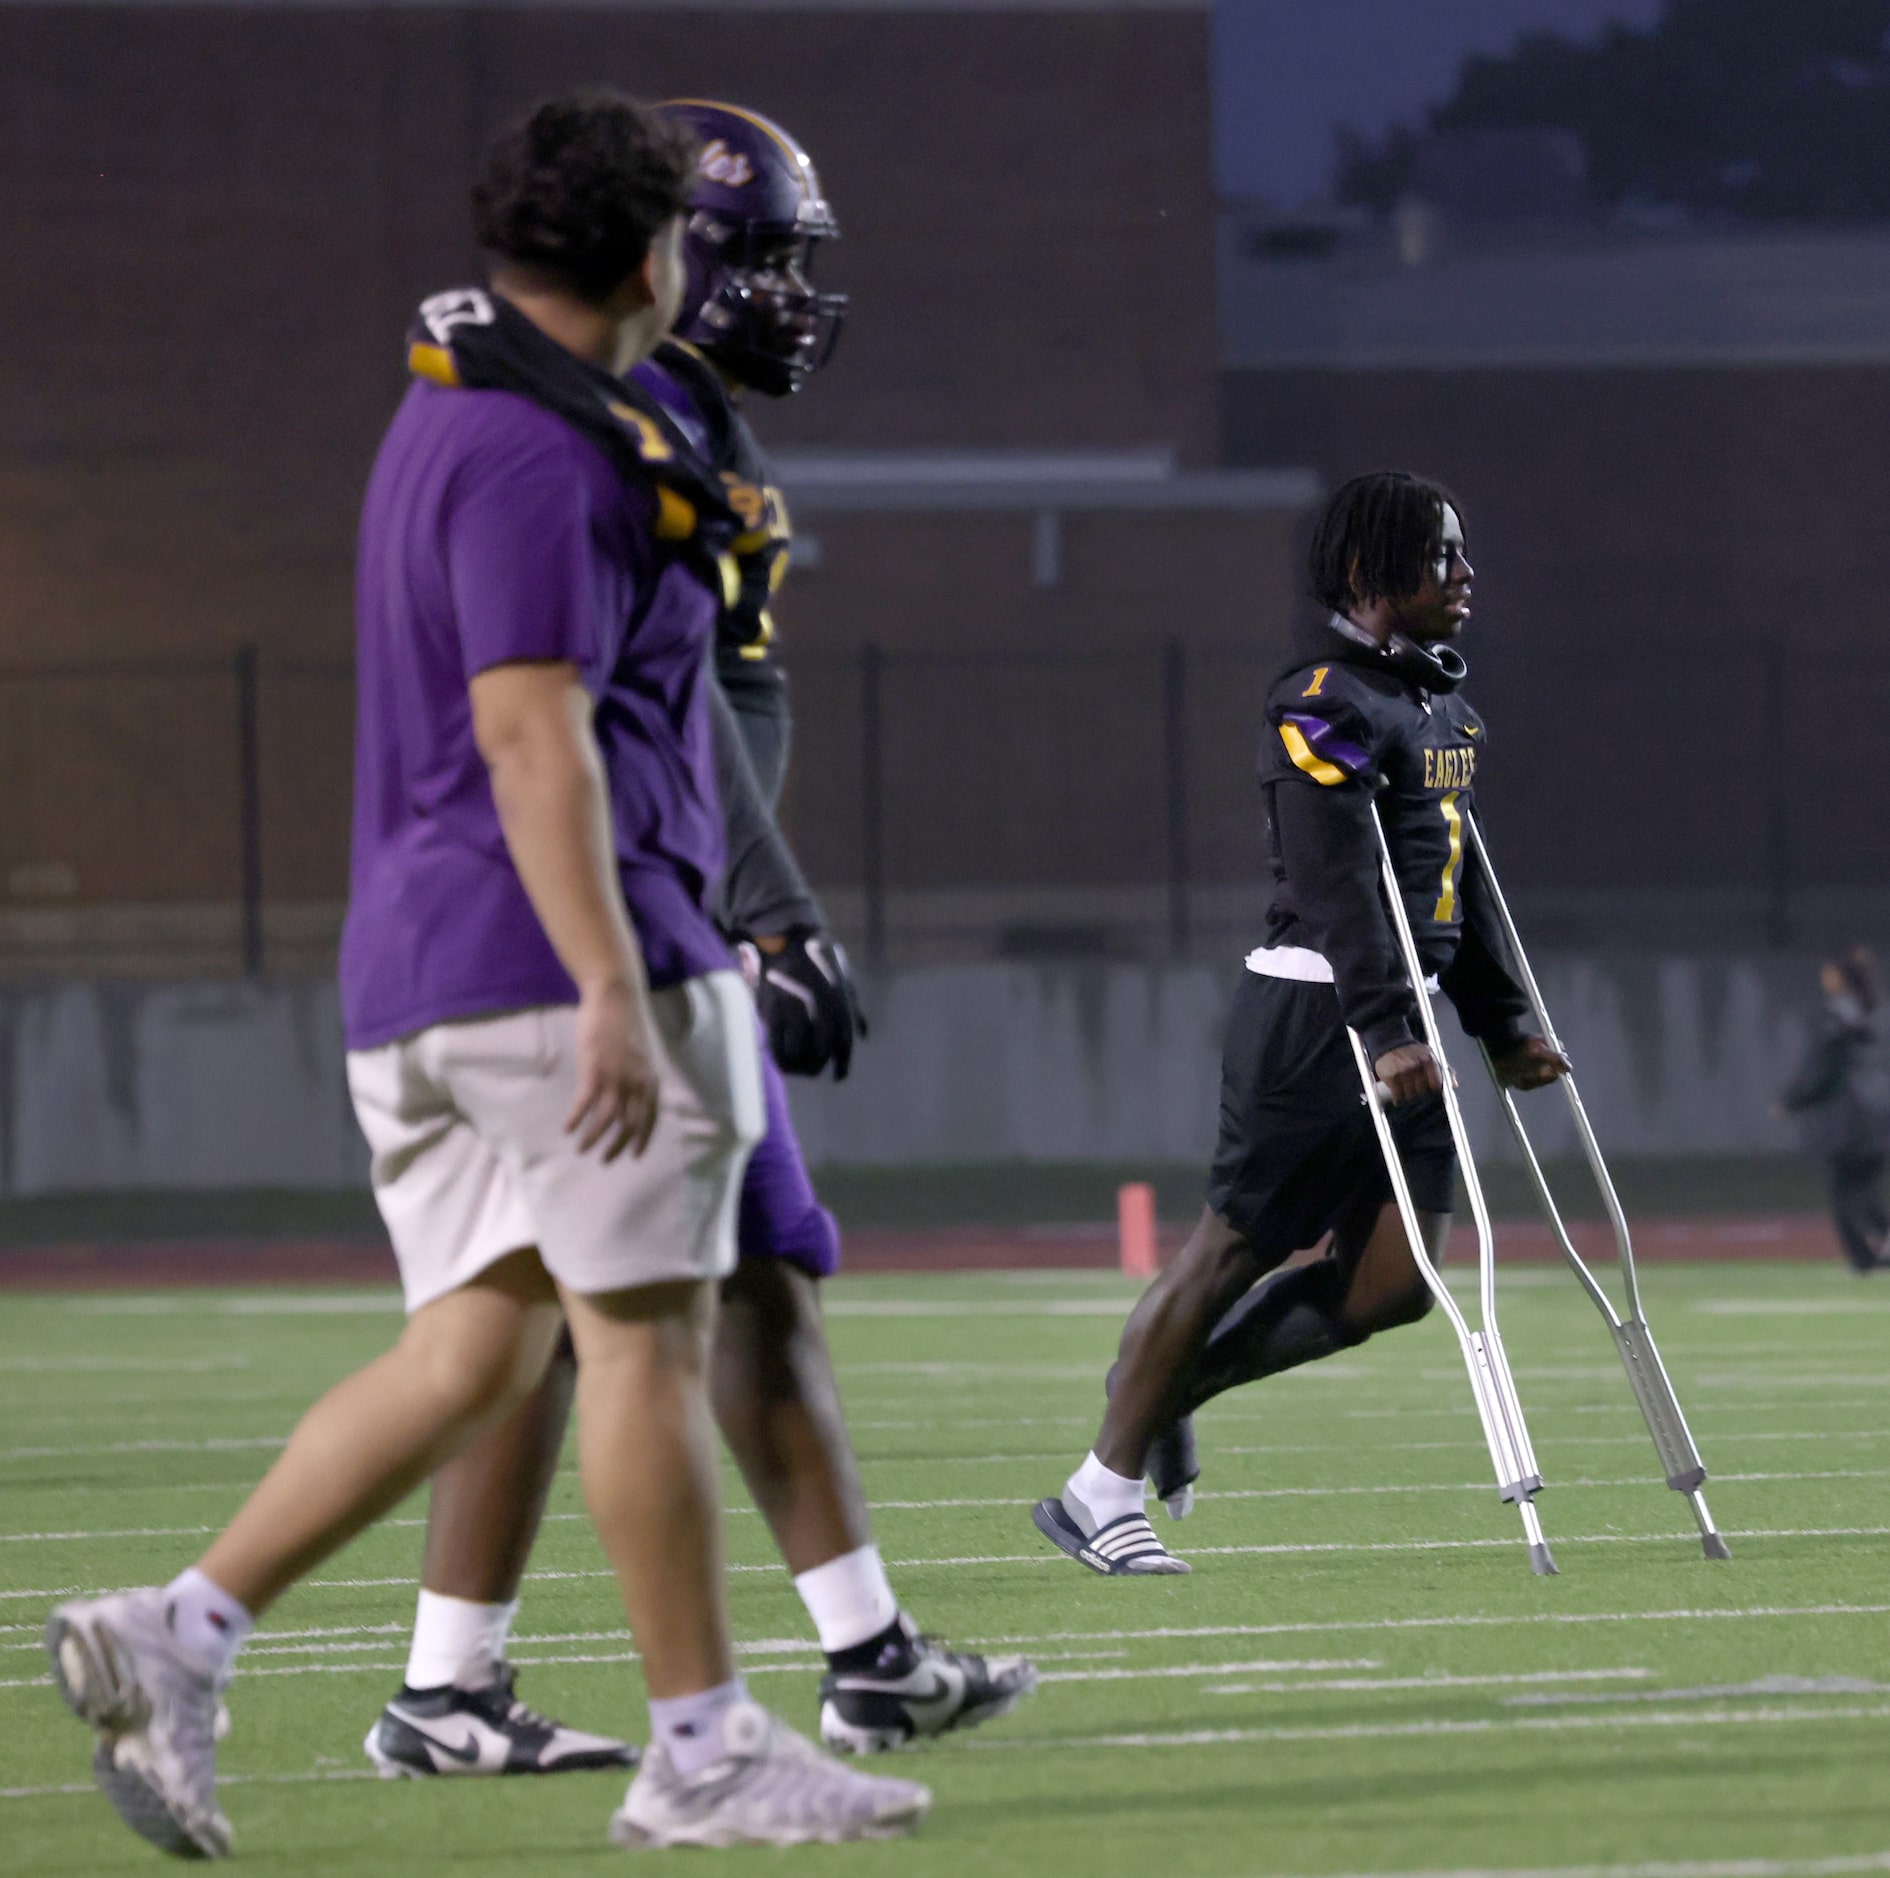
point(1466, 1622)
point(1000, 1502)
point(248, 1304)
point(1619, 1406)
point(1699, 1379)
point(214, 1444)
point(1509, 1680)
point(988, 1504)
point(1716, 1692)
point(1591, 1372)
point(1338, 1684)
point(1207, 1551)
point(1792, 1307)
point(1550, 1443)
point(917, 1307)
point(314, 1775)
point(210, 1444)
point(87, 1365)
point(1753, 1380)
point(939, 1370)
point(1379, 1731)
point(1720, 1868)
point(813, 1665)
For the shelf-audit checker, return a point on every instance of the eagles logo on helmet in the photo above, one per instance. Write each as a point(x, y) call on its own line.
point(756, 217)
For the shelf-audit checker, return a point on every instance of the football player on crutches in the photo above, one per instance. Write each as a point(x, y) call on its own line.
point(1368, 736)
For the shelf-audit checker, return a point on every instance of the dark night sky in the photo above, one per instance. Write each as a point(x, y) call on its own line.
point(1288, 72)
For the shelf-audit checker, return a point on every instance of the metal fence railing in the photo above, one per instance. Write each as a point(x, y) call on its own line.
point(968, 803)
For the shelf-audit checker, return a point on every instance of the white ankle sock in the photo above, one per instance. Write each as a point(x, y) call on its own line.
point(206, 1620)
point(455, 1640)
point(849, 1598)
point(690, 1726)
point(1108, 1495)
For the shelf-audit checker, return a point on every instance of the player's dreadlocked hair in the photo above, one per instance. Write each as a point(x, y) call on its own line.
point(580, 186)
point(1376, 538)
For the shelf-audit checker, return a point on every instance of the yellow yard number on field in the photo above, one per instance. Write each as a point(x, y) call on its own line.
point(1453, 820)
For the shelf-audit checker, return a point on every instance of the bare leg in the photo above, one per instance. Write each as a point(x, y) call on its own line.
point(462, 1362)
point(1387, 1289)
point(779, 1409)
point(652, 1474)
point(778, 1406)
point(1366, 1283)
point(487, 1502)
point(1166, 1332)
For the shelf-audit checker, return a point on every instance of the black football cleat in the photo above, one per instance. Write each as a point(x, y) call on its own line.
point(487, 1730)
point(918, 1689)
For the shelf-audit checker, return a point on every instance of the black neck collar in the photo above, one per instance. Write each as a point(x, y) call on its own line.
point(1437, 669)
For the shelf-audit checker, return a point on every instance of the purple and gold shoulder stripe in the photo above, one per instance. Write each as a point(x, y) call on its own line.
point(1323, 752)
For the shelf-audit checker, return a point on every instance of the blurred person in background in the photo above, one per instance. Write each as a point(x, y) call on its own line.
point(1841, 1095)
point(551, 1052)
point(751, 322)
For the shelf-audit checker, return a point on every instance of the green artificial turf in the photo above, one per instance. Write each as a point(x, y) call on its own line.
point(1360, 1677)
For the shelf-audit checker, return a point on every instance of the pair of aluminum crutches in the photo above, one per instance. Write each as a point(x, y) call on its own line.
point(1518, 1478)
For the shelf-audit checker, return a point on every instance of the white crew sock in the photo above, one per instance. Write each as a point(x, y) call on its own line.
point(1106, 1494)
point(455, 1640)
point(206, 1620)
point(849, 1598)
point(690, 1726)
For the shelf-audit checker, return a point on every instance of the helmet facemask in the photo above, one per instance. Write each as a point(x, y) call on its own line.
point(751, 306)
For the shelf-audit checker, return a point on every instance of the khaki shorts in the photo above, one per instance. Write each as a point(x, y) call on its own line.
point(465, 1123)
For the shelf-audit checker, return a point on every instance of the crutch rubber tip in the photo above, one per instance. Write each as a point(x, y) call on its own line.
point(1714, 1546)
point(1542, 1562)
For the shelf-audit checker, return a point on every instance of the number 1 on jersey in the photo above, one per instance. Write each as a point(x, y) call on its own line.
point(1453, 820)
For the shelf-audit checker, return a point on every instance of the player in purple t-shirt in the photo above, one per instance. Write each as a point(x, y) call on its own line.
point(752, 324)
point(550, 1052)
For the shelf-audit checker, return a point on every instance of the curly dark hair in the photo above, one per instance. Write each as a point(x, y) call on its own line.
point(579, 187)
point(1376, 538)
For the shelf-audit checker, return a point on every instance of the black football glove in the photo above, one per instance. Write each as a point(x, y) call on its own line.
point(807, 1002)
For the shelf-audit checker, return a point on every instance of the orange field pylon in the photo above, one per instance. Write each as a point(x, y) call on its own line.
point(1135, 1229)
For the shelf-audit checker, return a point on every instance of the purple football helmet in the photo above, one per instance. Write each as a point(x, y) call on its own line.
point(756, 216)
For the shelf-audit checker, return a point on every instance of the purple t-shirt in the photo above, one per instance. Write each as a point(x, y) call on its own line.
point(492, 533)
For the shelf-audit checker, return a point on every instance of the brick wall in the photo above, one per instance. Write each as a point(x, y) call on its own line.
point(218, 221)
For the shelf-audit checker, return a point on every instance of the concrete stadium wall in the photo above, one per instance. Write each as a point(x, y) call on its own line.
point(117, 1085)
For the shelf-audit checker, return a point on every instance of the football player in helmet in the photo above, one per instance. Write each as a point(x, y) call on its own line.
point(751, 323)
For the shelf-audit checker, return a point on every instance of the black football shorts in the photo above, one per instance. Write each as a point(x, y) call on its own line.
point(1297, 1148)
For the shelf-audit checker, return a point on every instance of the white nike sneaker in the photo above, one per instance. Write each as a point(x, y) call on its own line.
point(773, 1787)
point(918, 1689)
point(158, 1715)
point(487, 1730)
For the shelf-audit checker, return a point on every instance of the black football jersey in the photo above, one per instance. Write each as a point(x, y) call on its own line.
point(1350, 725)
point(745, 633)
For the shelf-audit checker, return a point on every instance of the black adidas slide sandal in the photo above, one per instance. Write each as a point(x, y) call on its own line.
point(1124, 1548)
